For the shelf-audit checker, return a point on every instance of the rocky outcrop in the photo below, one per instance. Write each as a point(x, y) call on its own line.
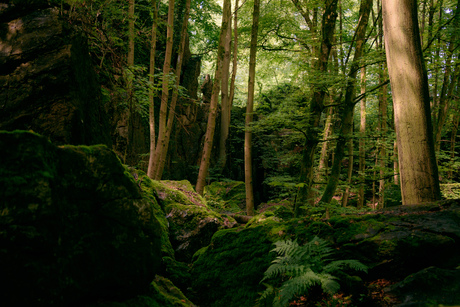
point(47, 82)
point(74, 227)
point(191, 222)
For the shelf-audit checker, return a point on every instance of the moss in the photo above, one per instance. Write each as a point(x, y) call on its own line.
point(163, 293)
point(147, 186)
point(180, 192)
point(228, 196)
point(177, 272)
point(167, 294)
point(228, 271)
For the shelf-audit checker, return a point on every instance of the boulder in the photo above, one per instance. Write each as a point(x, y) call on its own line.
point(74, 227)
point(191, 222)
point(47, 81)
point(429, 287)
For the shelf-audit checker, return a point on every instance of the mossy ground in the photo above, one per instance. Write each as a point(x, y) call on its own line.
point(226, 196)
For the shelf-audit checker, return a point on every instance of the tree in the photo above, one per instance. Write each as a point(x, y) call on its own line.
point(349, 104)
point(409, 85)
point(225, 101)
point(249, 112)
point(207, 148)
point(316, 106)
point(165, 89)
point(163, 144)
point(150, 169)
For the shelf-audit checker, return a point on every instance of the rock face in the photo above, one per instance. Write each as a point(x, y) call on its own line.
point(47, 82)
point(191, 222)
point(74, 227)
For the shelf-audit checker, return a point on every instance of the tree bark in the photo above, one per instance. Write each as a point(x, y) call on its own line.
point(249, 110)
point(408, 78)
point(234, 57)
point(225, 102)
point(162, 147)
point(129, 85)
point(206, 156)
point(165, 87)
point(383, 103)
point(362, 143)
point(150, 170)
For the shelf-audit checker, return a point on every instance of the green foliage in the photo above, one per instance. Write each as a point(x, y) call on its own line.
point(302, 267)
point(450, 190)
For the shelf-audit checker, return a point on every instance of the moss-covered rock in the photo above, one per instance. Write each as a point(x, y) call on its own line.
point(228, 271)
point(73, 225)
point(181, 192)
point(429, 287)
point(163, 293)
point(192, 227)
point(226, 196)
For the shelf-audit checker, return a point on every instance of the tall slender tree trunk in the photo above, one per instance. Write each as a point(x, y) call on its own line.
point(225, 101)
point(362, 143)
point(383, 103)
point(395, 164)
point(162, 148)
point(206, 156)
point(249, 110)
point(346, 129)
point(150, 170)
point(346, 194)
point(234, 57)
point(409, 85)
point(453, 138)
point(316, 105)
point(129, 79)
point(165, 87)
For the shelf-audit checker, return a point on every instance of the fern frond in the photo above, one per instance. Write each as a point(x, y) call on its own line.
point(339, 265)
point(285, 247)
point(305, 266)
point(296, 286)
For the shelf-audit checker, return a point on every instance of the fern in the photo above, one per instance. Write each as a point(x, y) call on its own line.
point(301, 267)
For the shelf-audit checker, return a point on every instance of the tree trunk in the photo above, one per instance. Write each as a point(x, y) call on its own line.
point(453, 137)
point(165, 87)
point(150, 170)
point(349, 173)
point(249, 110)
point(316, 105)
point(129, 79)
point(409, 84)
point(162, 147)
point(225, 101)
point(206, 156)
point(383, 103)
point(362, 143)
point(346, 129)
point(234, 57)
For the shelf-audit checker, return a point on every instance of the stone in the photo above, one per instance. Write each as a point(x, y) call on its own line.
point(429, 287)
point(47, 81)
point(74, 227)
point(191, 222)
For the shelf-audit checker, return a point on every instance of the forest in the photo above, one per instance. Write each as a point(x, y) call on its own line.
point(314, 117)
point(230, 153)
